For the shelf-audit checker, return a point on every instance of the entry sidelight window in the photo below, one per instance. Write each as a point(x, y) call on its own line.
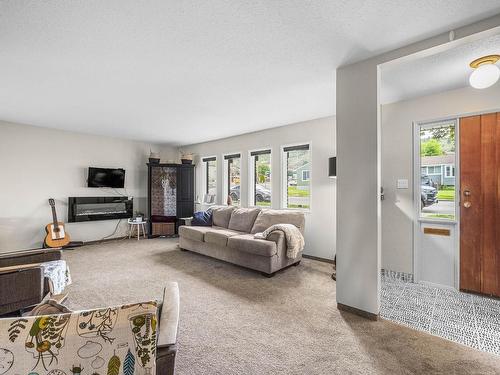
point(437, 160)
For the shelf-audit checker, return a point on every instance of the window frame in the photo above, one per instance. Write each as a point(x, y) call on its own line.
point(252, 175)
point(284, 176)
point(226, 188)
point(451, 168)
point(309, 177)
point(205, 174)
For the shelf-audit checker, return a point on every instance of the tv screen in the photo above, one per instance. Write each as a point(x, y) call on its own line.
point(106, 177)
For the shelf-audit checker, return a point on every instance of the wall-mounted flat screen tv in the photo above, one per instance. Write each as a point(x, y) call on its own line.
point(106, 177)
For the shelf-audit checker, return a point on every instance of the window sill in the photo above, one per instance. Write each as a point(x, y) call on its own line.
point(304, 210)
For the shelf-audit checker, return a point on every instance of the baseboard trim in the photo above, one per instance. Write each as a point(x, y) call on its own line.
point(317, 258)
point(362, 313)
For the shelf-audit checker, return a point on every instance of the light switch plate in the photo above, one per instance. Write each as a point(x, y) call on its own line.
point(402, 184)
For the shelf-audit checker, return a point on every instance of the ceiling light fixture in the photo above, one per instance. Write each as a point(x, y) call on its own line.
point(485, 73)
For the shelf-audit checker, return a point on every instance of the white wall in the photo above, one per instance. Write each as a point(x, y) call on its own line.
point(40, 163)
point(397, 161)
point(320, 221)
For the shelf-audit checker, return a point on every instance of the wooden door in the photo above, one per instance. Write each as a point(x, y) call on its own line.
point(480, 204)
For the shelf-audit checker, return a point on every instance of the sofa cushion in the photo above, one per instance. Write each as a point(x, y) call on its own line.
point(268, 217)
point(193, 233)
point(221, 215)
point(248, 244)
point(219, 236)
point(242, 219)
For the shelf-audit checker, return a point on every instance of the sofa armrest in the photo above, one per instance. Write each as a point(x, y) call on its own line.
point(29, 257)
point(169, 316)
point(28, 290)
point(276, 236)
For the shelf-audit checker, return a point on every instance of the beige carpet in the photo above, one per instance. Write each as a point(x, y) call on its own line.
point(234, 321)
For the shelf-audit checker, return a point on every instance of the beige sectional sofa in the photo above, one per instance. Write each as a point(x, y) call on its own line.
point(231, 237)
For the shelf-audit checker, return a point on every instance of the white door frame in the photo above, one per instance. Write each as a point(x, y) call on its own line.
point(416, 196)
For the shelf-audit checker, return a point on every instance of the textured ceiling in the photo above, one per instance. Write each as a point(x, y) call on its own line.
point(435, 73)
point(179, 72)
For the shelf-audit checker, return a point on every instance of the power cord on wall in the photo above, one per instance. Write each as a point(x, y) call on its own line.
point(114, 232)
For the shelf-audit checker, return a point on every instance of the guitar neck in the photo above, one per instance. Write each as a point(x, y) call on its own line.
point(54, 217)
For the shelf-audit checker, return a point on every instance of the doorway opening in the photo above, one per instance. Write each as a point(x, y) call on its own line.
point(441, 209)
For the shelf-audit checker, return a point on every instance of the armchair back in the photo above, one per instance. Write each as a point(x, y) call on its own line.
point(113, 340)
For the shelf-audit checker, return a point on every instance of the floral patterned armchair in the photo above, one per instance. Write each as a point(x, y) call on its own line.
point(138, 338)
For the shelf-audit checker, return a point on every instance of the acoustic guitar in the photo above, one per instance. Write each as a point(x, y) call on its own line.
point(56, 233)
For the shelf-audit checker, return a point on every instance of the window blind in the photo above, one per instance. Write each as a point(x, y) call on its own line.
point(261, 152)
point(296, 148)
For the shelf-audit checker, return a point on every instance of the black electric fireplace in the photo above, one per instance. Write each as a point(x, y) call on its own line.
point(99, 208)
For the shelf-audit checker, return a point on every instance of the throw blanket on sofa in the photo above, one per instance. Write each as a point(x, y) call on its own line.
point(294, 239)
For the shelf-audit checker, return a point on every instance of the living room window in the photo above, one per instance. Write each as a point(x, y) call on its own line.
point(296, 183)
point(232, 169)
point(260, 178)
point(210, 179)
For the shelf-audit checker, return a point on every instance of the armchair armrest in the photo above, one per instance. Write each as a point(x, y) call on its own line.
point(169, 316)
point(167, 331)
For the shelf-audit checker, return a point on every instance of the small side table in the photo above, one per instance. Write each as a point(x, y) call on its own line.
point(187, 220)
point(138, 225)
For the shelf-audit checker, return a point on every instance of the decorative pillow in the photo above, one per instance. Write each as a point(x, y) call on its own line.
point(49, 307)
point(221, 215)
point(202, 219)
point(242, 219)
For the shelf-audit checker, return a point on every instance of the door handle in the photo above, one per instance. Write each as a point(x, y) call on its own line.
point(467, 202)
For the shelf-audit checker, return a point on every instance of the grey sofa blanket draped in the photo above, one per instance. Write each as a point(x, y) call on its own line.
point(294, 239)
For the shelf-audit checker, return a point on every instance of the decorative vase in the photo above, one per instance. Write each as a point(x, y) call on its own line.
point(154, 157)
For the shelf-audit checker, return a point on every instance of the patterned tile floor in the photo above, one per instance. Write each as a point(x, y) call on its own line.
point(464, 318)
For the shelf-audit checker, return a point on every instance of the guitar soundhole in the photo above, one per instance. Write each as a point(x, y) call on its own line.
point(57, 230)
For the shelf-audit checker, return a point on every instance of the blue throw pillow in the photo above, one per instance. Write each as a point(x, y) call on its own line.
point(202, 219)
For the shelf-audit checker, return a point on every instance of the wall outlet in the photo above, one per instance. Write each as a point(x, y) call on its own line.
point(402, 184)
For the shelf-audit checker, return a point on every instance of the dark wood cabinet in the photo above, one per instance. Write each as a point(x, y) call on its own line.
point(185, 183)
point(171, 192)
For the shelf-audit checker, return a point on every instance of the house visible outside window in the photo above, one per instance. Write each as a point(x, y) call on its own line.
point(449, 171)
point(210, 178)
point(296, 167)
point(260, 178)
point(232, 169)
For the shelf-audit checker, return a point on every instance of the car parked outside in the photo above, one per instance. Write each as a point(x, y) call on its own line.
point(428, 195)
point(261, 193)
